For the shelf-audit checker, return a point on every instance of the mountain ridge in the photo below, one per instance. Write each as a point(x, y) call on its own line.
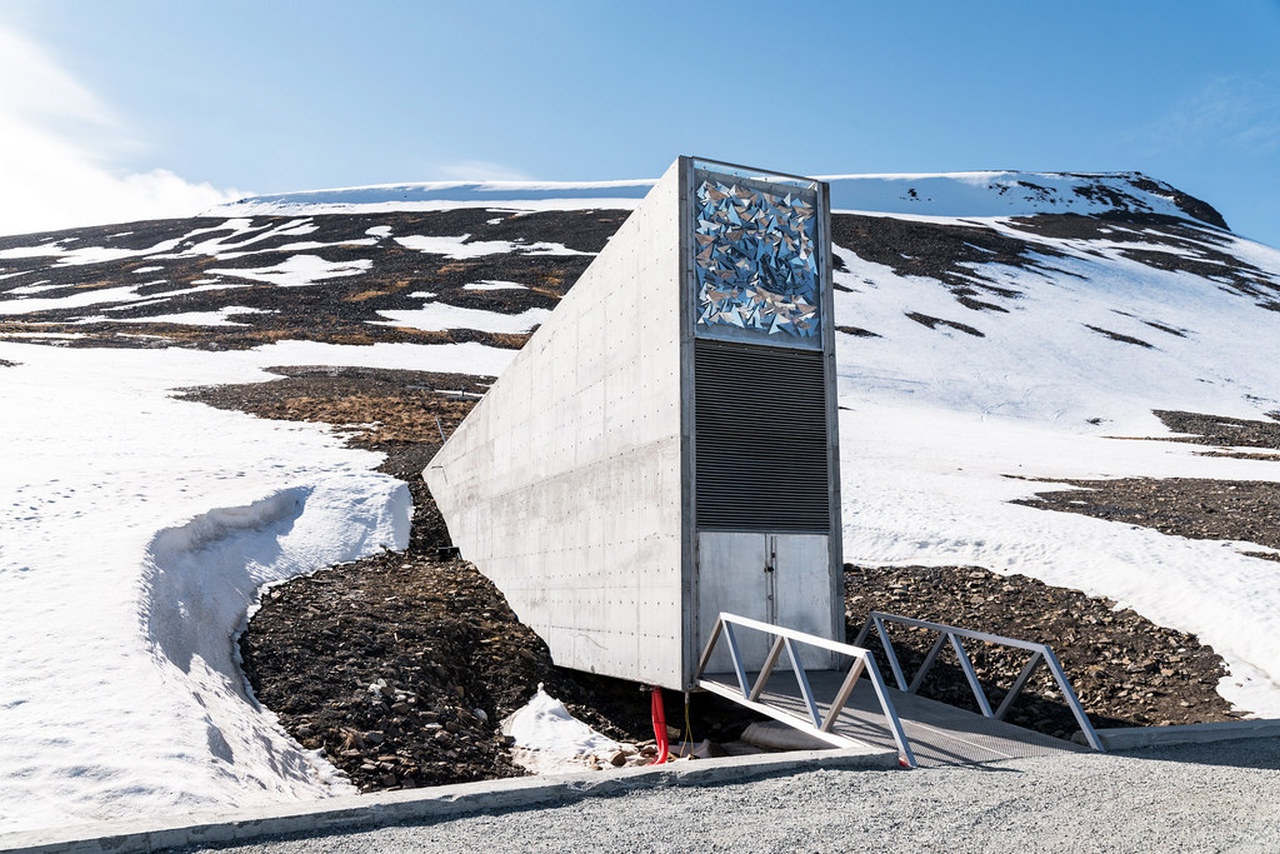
point(977, 193)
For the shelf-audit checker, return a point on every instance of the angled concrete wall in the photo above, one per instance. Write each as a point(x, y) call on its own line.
point(664, 446)
point(564, 485)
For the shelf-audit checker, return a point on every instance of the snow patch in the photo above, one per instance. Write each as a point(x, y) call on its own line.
point(553, 740)
point(299, 271)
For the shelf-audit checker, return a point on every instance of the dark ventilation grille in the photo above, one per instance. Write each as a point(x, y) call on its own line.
point(761, 438)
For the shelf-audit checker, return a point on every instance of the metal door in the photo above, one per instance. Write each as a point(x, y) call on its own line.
point(783, 579)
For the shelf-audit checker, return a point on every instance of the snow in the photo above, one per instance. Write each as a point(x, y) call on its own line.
point(458, 248)
point(937, 421)
point(455, 247)
point(121, 296)
point(984, 194)
point(137, 529)
point(80, 299)
point(954, 194)
point(298, 271)
point(446, 195)
point(550, 738)
point(77, 256)
point(494, 285)
point(439, 316)
point(927, 486)
point(221, 317)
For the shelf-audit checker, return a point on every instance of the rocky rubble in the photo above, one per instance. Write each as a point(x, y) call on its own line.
point(1126, 670)
point(400, 667)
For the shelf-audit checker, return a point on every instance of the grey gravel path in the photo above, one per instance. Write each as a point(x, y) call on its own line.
point(1214, 797)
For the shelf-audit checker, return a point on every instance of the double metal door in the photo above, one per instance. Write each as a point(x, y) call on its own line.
point(784, 579)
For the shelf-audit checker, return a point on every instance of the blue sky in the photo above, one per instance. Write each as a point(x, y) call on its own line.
point(178, 103)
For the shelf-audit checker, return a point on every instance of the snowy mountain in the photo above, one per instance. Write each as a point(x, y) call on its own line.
point(1001, 333)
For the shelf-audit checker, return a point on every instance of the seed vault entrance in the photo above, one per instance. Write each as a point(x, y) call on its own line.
point(664, 447)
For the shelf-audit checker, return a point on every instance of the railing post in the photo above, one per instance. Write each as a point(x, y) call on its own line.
point(927, 664)
point(860, 659)
point(769, 661)
point(802, 682)
point(1040, 652)
point(890, 712)
point(736, 657)
point(971, 675)
point(889, 651)
point(1073, 702)
point(856, 666)
point(1019, 684)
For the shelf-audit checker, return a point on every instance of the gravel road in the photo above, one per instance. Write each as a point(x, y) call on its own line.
point(1215, 797)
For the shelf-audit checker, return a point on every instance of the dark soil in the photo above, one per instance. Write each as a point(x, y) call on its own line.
point(402, 665)
point(1126, 670)
point(1197, 508)
point(189, 265)
point(340, 310)
point(1186, 507)
point(1221, 431)
point(383, 663)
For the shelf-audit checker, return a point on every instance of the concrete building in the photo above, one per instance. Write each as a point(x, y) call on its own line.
point(664, 447)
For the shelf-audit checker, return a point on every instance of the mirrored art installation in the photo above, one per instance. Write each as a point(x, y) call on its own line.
point(756, 265)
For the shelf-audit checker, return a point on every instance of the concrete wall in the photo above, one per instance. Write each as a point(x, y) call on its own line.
point(564, 485)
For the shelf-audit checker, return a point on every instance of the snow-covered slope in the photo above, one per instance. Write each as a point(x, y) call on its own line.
point(963, 194)
point(999, 330)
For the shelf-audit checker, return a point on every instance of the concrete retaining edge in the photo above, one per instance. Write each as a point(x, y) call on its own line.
point(1133, 738)
point(420, 805)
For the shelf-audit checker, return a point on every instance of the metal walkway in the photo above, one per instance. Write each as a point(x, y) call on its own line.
point(852, 706)
point(939, 734)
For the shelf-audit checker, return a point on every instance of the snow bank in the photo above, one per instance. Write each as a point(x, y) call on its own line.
point(122, 587)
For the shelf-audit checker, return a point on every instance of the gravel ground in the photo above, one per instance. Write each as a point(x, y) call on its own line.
point(1215, 797)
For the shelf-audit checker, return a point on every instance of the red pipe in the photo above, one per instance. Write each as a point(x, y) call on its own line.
point(659, 726)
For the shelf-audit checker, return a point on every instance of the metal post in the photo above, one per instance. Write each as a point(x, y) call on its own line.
point(1073, 702)
point(889, 652)
point(1019, 684)
point(769, 661)
point(802, 681)
point(971, 675)
point(928, 663)
point(890, 713)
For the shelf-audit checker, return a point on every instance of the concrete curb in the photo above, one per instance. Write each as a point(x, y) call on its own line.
point(423, 805)
point(1132, 738)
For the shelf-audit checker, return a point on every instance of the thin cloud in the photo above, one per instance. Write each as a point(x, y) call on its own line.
point(57, 138)
point(1237, 113)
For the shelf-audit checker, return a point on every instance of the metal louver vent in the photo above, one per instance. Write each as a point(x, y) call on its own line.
point(760, 438)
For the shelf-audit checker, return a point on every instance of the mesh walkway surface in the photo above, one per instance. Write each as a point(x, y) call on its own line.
point(938, 734)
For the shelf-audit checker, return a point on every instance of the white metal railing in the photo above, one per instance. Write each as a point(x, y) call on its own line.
point(1039, 653)
point(821, 722)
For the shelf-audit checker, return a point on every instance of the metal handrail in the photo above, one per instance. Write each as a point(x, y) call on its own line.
point(820, 724)
point(1039, 653)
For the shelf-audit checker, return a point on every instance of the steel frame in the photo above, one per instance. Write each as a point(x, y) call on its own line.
point(820, 723)
point(1040, 653)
